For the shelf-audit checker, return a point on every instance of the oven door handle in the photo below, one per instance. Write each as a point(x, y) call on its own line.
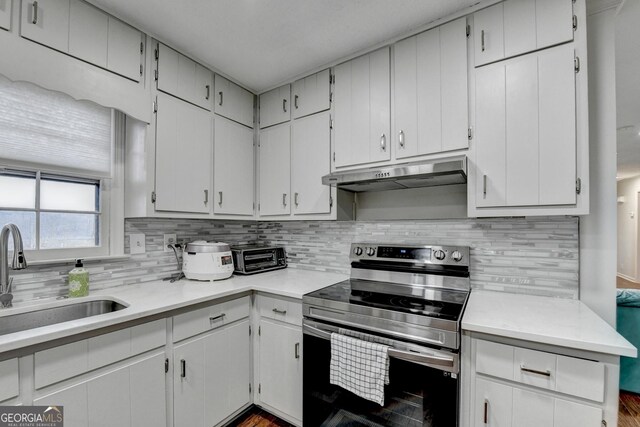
point(410, 356)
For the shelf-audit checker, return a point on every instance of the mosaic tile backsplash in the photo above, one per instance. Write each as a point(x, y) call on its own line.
point(532, 255)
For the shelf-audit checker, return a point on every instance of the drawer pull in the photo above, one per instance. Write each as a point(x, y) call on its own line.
point(534, 371)
point(275, 310)
point(183, 368)
point(486, 411)
point(220, 317)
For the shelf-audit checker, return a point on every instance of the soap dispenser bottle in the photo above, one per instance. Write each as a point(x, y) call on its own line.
point(79, 281)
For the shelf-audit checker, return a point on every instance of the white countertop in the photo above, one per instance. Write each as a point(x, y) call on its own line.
point(546, 320)
point(148, 299)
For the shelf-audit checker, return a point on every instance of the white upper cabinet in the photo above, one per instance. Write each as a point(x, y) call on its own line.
point(520, 26)
point(46, 22)
point(233, 102)
point(184, 144)
point(275, 170)
point(526, 130)
point(275, 106)
point(233, 168)
point(362, 110)
point(88, 33)
point(311, 94)
point(184, 78)
point(431, 99)
point(5, 14)
point(125, 50)
point(310, 148)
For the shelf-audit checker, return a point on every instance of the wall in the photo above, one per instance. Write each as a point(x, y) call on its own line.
point(538, 256)
point(627, 228)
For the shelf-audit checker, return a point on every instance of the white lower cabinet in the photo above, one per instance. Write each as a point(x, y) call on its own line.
point(5, 14)
point(132, 395)
point(211, 376)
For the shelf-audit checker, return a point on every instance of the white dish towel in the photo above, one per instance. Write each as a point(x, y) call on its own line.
point(359, 366)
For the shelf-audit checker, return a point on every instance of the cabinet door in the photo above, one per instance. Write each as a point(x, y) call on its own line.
point(532, 409)
point(46, 22)
point(281, 367)
point(554, 23)
point(237, 366)
point(310, 147)
point(275, 106)
point(189, 384)
point(148, 397)
point(275, 170)
point(406, 97)
point(216, 378)
point(109, 400)
point(124, 56)
point(488, 34)
point(88, 28)
point(5, 14)
point(74, 401)
point(203, 87)
point(362, 110)
point(183, 156)
point(490, 136)
point(167, 77)
point(572, 414)
point(233, 102)
point(233, 170)
point(311, 94)
point(519, 26)
point(493, 404)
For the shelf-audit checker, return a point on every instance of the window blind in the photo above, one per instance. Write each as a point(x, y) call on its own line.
point(52, 131)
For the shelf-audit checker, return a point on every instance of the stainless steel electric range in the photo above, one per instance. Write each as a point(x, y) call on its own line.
point(412, 297)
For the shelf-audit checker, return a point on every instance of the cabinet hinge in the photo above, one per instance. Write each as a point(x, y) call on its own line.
point(330, 122)
point(469, 134)
point(330, 201)
point(468, 30)
point(141, 69)
point(153, 197)
point(259, 388)
point(259, 330)
point(166, 365)
point(249, 335)
point(157, 52)
point(332, 78)
point(156, 75)
point(155, 105)
point(330, 97)
point(258, 207)
point(334, 157)
point(578, 186)
point(576, 63)
point(249, 388)
point(141, 47)
point(574, 22)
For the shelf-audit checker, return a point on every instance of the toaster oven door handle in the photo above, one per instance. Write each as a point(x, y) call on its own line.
point(409, 356)
point(258, 256)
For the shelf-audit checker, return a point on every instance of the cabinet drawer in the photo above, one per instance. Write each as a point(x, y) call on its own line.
point(494, 359)
point(9, 383)
point(280, 309)
point(582, 378)
point(195, 322)
point(534, 368)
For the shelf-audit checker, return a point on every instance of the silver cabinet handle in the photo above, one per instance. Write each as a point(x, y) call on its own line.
point(277, 311)
point(208, 87)
point(221, 98)
point(295, 198)
point(383, 142)
point(296, 350)
point(401, 138)
point(206, 196)
point(482, 39)
point(486, 411)
point(34, 7)
point(546, 373)
point(295, 101)
point(484, 185)
point(220, 197)
point(215, 318)
point(284, 199)
point(183, 368)
point(284, 105)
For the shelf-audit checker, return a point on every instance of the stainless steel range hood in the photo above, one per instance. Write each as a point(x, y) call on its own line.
point(445, 171)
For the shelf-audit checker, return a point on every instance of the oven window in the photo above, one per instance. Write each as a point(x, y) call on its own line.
point(416, 395)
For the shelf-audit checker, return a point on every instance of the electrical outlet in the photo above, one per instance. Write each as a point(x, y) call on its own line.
point(169, 239)
point(136, 244)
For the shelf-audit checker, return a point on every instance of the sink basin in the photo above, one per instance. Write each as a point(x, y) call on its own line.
point(52, 315)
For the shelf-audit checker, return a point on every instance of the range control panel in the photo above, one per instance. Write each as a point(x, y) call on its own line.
point(419, 254)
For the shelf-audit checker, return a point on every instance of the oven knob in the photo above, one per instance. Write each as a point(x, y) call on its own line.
point(357, 251)
point(456, 256)
point(439, 254)
point(371, 251)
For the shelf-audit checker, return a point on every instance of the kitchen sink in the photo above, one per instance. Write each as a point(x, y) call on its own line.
point(52, 315)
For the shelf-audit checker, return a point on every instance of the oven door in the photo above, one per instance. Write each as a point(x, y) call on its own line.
point(422, 390)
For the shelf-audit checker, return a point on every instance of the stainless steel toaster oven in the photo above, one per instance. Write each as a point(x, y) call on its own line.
point(251, 259)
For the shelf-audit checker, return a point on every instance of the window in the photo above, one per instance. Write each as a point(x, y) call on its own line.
point(57, 173)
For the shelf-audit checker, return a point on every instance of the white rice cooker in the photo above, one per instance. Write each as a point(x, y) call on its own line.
point(207, 261)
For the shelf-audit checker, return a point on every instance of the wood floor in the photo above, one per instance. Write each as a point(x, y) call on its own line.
point(256, 417)
point(627, 284)
point(629, 410)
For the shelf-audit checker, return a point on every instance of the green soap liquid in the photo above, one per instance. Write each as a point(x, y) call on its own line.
point(78, 283)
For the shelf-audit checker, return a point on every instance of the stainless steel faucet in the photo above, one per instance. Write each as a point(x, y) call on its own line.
point(19, 261)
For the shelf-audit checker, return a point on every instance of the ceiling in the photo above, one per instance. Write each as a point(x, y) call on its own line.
point(262, 43)
point(628, 89)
